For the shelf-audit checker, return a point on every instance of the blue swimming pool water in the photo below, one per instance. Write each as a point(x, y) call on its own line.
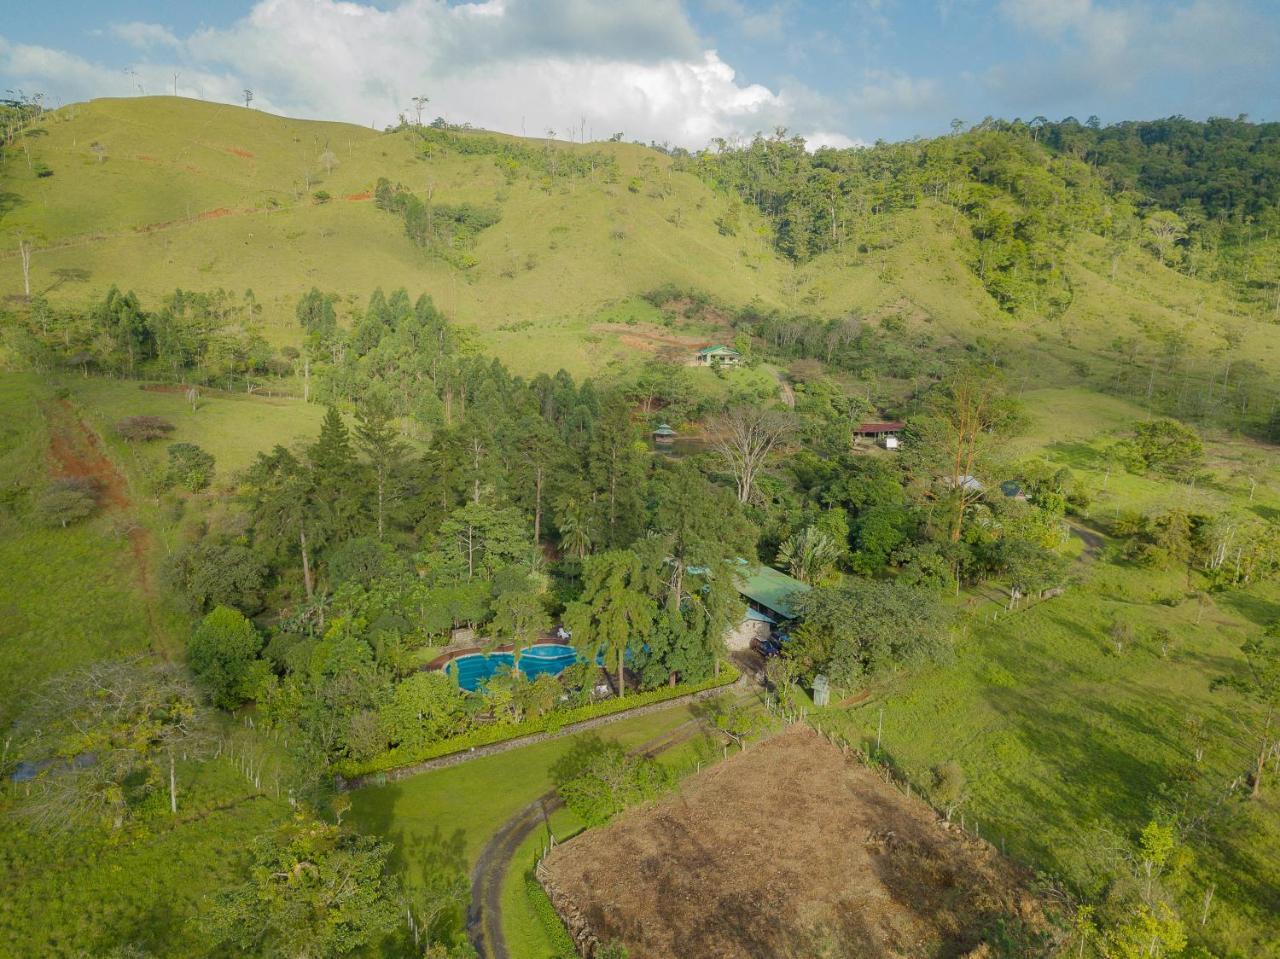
point(474, 669)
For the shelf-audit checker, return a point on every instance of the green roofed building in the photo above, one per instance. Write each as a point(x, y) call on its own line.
point(770, 597)
point(717, 355)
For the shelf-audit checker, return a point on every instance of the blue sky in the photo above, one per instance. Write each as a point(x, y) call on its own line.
point(681, 71)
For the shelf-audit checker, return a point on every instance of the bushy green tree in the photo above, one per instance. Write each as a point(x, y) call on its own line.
point(66, 500)
point(221, 651)
point(424, 707)
point(312, 890)
point(1163, 446)
point(866, 627)
point(214, 573)
point(189, 467)
point(597, 779)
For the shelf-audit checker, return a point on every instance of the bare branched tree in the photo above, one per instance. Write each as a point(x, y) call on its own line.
point(745, 436)
point(104, 736)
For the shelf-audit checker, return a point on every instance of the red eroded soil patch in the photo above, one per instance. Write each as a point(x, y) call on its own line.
point(357, 197)
point(146, 159)
point(789, 850)
point(237, 152)
point(215, 214)
point(649, 339)
point(76, 450)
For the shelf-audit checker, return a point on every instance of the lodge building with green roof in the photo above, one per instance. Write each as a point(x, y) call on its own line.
point(770, 596)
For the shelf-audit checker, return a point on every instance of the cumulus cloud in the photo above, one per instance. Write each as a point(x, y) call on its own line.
point(636, 66)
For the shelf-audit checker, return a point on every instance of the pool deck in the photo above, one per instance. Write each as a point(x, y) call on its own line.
point(448, 656)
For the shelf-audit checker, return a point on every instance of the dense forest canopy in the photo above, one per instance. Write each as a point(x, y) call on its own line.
point(1203, 196)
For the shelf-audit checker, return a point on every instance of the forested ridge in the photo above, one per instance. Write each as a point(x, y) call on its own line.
point(1202, 196)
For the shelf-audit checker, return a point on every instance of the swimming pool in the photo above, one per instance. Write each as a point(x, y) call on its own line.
point(474, 669)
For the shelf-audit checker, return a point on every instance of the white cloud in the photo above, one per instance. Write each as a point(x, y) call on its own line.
point(632, 65)
point(144, 36)
point(825, 138)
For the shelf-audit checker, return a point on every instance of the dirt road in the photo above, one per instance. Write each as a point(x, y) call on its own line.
point(484, 916)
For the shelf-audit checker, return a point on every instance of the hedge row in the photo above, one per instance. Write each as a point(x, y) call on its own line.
point(561, 942)
point(551, 722)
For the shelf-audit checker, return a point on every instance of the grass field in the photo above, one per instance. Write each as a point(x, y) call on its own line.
point(234, 427)
point(70, 596)
point(78, 895)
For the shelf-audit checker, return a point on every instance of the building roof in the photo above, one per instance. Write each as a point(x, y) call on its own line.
point(770, 588)
point(889, 426)
point(664, 429)
point(971, 483)
point(717, 348)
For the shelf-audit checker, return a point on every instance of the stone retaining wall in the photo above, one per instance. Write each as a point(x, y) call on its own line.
point(454, 759)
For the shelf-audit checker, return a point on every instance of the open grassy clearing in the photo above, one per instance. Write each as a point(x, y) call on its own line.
point(233, 427)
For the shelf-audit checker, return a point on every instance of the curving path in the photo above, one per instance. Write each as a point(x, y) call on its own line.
point(484, 915)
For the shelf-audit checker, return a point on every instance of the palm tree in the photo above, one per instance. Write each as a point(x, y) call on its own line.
point(808, 554)
point(575, 533)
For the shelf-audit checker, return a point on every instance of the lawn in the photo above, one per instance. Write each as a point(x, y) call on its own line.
point(467, 802)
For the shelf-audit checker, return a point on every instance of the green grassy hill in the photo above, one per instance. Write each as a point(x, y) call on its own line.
point(201, 196)
point(158, 193)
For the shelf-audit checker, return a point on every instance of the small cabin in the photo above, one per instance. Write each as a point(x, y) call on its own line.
point(664, 433)
point(885, 433)
point(717, 356)
point(970, 484)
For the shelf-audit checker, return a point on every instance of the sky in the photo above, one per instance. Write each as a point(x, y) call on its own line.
point(683, 72)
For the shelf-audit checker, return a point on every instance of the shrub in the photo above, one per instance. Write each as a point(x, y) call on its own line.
point(143, 429)
point(67, 500)
point(540, 904)
point(948, 787)
point(189, 467)
point(321, 196)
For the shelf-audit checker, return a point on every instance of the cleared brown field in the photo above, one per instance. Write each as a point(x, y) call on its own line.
point(790, 850)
